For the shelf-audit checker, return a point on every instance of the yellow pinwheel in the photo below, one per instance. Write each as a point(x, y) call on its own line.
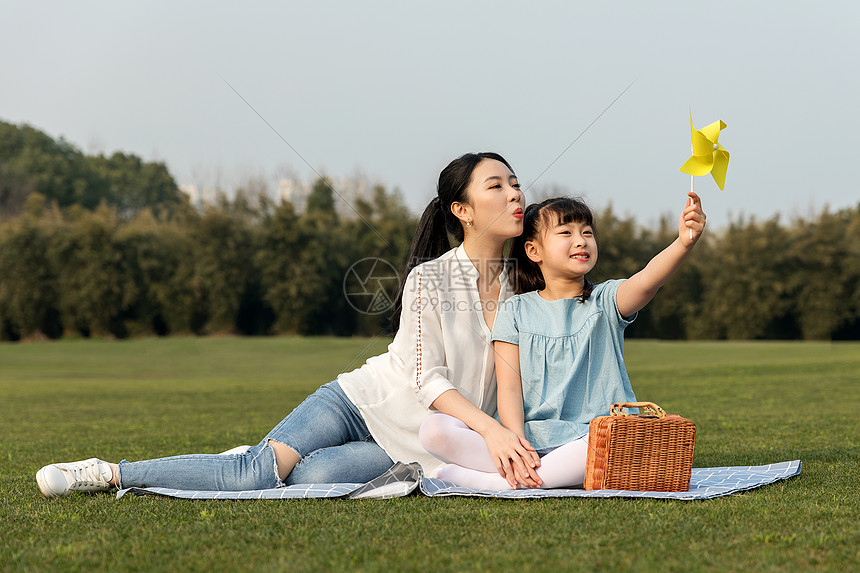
point(708, 155)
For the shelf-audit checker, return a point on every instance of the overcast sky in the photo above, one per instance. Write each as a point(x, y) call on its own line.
point(396, 90)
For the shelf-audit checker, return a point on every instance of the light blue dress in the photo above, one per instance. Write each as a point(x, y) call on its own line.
point(571, 360)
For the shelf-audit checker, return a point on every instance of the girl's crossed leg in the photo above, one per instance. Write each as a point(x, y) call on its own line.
point(470, 464)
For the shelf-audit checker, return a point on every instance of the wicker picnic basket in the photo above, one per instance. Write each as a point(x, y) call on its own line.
point(641, 452)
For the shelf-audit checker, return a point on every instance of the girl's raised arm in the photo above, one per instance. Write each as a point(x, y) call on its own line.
point(637, 291)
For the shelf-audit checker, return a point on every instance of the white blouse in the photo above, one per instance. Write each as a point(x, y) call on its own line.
point(443, 343)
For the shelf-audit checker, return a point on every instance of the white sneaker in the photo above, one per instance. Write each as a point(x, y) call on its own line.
point(57, 480)
point(236, 450)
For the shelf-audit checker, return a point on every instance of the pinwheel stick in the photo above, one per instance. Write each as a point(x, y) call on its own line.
point(692, 180)
point(692, 177)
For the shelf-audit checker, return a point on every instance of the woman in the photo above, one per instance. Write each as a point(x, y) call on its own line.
point(354, 428)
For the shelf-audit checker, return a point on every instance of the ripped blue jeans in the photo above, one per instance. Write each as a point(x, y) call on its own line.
point(326, 430)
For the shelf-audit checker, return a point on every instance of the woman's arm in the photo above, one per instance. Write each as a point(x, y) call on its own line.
point(637, 291)
point(421, 324)
point(422, 336)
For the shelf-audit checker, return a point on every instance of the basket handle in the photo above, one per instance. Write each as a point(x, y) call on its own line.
point(616, 409)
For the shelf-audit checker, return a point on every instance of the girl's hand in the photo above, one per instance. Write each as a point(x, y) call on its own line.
point(514, 457)
point(691, 223)
point(531, 479)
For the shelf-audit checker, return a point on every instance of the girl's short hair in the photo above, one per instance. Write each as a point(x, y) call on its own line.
point(539, 217)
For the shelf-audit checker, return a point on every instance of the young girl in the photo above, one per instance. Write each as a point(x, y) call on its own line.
point(558, 348)
point(354, 428)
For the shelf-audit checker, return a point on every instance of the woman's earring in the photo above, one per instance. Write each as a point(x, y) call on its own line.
point(468, 223)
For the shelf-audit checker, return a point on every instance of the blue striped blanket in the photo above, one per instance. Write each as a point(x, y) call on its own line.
point(404, 479)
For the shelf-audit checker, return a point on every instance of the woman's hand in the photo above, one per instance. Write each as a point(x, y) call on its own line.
point(513, 455)
point(691, 223)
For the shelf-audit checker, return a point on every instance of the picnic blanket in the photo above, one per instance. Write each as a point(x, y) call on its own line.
point(404, 479)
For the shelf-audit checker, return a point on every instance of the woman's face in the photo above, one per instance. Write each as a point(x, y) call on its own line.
point(495, 202)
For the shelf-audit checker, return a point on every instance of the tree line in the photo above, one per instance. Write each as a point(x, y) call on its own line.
point(33, 162)
point(102, 246)
point(243, 265)
point(754, 279)
point(249, 266)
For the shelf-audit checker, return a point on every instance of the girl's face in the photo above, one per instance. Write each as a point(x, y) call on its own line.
point(564, 250)
point(495, 202)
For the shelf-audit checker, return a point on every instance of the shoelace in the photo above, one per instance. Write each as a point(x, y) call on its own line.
point(86, 474)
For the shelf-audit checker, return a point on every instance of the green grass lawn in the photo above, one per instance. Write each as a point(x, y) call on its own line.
point(753, 403)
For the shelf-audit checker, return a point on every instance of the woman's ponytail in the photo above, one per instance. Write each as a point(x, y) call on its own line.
point(430, 241)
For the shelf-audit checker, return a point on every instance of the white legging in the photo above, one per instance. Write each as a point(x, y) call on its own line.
point(471, 465)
